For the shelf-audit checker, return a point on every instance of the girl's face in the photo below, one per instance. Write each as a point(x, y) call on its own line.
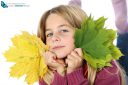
point(59, 35)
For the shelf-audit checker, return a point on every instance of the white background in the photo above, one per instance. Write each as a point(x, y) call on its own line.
point(16, 19)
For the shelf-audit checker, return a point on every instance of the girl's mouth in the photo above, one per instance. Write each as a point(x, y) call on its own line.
point(57, 47)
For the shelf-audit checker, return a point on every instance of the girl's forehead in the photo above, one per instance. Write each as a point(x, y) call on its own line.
point(56, 21)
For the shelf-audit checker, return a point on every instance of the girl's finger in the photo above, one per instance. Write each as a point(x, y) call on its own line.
point(68, 59)
point(75, 54)
point(79, 51)
point(60, 62)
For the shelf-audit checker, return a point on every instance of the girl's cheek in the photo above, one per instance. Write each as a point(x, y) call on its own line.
point(48, 40)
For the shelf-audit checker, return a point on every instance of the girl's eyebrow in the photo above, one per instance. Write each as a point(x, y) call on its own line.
point(48, 29)
point(64, 25)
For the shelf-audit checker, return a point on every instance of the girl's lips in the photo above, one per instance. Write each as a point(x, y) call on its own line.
point(58, 47)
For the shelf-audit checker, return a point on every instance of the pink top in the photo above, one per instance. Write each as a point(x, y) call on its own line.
point(106, 76)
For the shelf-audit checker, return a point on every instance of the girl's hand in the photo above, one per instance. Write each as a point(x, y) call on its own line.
point(53, 63)
point(74, 60)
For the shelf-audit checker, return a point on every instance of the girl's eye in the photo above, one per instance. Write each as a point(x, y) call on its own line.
point(64, 30)
point(49, 35)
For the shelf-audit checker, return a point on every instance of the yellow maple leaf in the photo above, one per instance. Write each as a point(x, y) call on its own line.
point(26, 53)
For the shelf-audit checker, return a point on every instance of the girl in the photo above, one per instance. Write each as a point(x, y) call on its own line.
point(65, 62)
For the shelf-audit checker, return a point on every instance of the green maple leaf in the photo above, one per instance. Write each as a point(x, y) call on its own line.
point(97, 42)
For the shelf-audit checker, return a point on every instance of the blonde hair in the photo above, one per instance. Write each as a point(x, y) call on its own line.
point(122, 73)
point(74, 15)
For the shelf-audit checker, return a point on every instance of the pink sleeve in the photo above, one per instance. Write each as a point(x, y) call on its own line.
point(120, 10)
point(77, 78)
point(108, 76)
point(58, 80)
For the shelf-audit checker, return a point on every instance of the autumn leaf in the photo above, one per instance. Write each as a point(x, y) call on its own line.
point(97, 42)
point(26, 53)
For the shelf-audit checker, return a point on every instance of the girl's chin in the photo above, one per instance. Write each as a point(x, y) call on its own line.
point(61, 54)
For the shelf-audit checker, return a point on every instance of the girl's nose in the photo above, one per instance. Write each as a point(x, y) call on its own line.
point(55, 38)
